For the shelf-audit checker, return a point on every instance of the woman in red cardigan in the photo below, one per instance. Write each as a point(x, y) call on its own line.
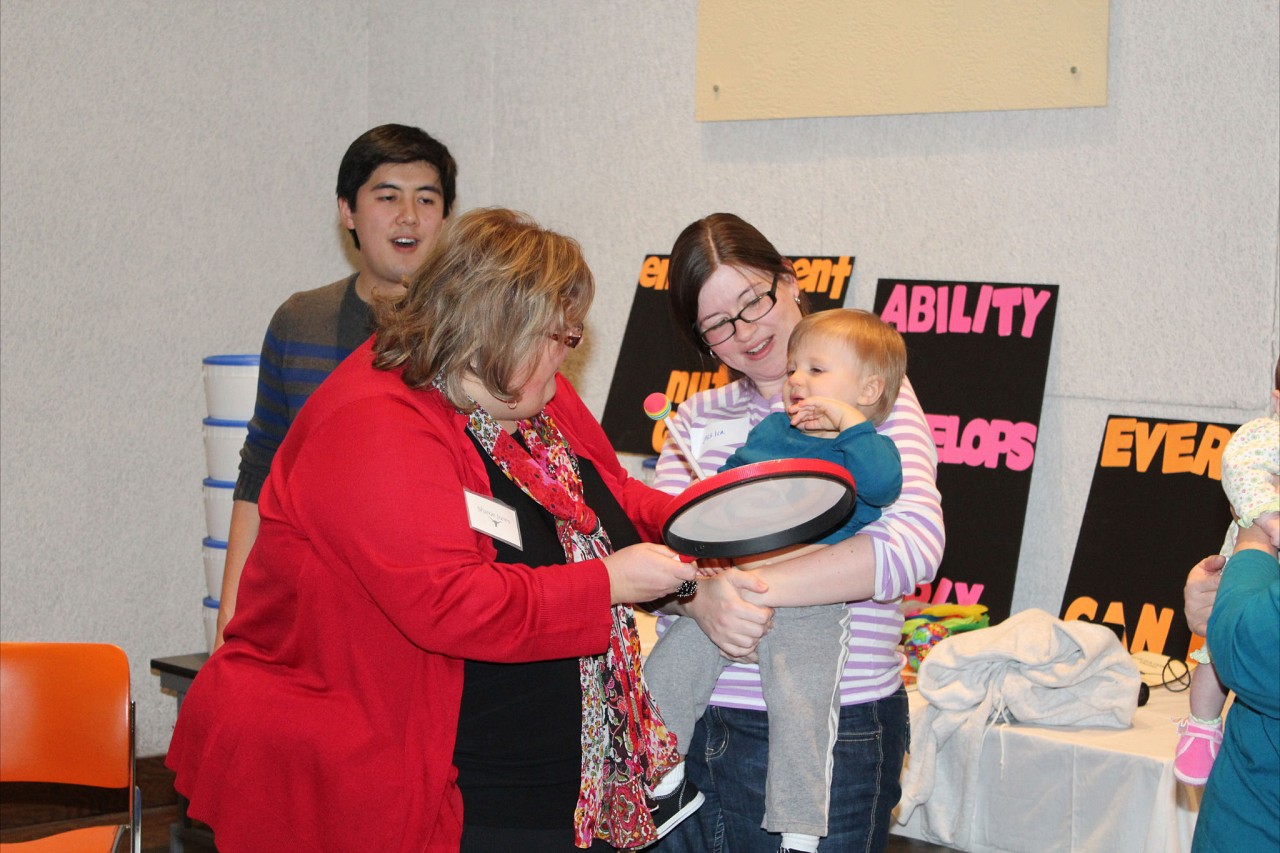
point(433, 648)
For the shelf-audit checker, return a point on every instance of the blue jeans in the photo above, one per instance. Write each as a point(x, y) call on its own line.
point(728, 759)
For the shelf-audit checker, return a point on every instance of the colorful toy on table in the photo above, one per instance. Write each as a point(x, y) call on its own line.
point(921, 640)
point(925, 628)
point(658, 407)
point(956, 617)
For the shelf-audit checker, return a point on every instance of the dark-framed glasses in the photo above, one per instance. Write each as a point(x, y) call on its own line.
point(753, 312)
point(570, 338)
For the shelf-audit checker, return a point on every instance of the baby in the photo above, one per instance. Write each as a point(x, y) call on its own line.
point(845, 368)
point(1251, 479)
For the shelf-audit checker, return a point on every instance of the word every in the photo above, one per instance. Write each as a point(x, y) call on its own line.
point(814, 275)
point(948, 308)
point(1130, 442)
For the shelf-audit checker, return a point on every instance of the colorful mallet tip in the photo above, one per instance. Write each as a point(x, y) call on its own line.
point(657, 405)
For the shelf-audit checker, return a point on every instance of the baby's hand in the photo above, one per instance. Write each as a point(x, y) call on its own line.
point(824, 414)
point(1269, 523)
point(711, 568)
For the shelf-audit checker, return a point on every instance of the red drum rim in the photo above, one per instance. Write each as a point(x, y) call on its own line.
point(827, 492)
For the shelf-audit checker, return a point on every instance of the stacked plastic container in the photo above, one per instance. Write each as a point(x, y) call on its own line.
point(230, 389)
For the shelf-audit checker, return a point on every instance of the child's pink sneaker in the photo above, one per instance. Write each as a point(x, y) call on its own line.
point(1197, 748)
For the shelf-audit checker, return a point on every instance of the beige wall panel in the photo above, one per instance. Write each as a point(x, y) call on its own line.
point(758, 59)
point(167, 179)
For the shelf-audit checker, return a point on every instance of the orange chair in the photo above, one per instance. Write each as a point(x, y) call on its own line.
point(66, 717)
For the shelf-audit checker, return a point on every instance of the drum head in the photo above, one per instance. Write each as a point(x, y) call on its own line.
point(759, 507)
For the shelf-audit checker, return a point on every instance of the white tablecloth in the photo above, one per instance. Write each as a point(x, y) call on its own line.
point(1079, 790)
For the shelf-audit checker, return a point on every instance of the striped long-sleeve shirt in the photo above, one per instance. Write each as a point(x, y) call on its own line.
point(908, 538)
point(309, 335)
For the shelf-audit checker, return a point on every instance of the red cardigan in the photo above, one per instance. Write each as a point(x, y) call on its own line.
point(327, 720)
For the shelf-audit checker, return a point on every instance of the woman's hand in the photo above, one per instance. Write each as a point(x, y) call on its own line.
point(1200, 591)
point(734, 625)
point(645, 572)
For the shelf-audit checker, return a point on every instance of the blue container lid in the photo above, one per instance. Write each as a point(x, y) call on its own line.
point(233, 360)
point(210, 542)
point(219, 422)
point(211, 602)
point(219, 484)
point(650, 462)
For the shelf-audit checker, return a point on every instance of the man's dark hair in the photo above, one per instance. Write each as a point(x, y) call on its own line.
point(394, 143)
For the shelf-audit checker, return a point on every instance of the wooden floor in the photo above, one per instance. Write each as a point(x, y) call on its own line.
point(156, 823)
point(898, 844)
point(32, 811)
point(155, 829)
point(29, 811)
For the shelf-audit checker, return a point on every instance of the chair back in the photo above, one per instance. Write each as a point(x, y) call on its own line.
point(66, 717)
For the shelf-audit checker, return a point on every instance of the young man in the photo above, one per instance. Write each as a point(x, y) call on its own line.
point(395, 190)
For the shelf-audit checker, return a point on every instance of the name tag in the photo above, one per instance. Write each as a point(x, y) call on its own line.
point(731, 434)
point(493, 518)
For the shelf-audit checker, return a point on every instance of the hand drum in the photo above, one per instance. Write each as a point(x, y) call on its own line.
point(759, 507)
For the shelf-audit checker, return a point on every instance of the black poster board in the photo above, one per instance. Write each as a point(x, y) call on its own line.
point(977, 355)
point(655, 357)
point(1155, 509)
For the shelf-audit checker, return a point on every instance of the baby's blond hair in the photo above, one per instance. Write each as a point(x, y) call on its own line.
point(876, 344)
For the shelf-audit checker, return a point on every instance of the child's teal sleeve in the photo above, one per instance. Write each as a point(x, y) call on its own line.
point(1244, 630)
point(874, 462)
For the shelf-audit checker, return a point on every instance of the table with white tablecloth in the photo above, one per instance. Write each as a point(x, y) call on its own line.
point(1074, 789)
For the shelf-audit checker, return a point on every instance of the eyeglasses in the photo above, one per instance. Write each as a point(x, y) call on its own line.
point(753, 312)
point(571, 338)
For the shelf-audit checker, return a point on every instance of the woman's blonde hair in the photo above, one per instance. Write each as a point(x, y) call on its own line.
point(483, 303)
point(876, 344)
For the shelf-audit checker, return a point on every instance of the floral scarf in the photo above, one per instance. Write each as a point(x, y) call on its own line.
point(625, 746)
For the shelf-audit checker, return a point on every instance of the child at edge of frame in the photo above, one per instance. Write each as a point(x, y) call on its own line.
point(1251, 480)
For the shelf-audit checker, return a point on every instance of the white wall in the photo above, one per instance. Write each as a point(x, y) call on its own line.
point(1157, 215)
point(168, 176)
point(167, 173)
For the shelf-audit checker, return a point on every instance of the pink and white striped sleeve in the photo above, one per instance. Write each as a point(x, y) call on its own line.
point(909, 536)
